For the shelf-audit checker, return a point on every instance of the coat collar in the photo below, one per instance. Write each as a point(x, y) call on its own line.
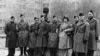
point(92, 20)
point(80, 23)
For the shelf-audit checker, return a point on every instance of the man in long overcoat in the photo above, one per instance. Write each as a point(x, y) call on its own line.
point(23, 35)
point(53, 37)
point(11, 39)
point(42, 38)
point(81, 36)
point(76, 19)
point(94, 34)
point(33, 32)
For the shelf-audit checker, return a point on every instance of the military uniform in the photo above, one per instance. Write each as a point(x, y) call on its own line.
point(23, 35)
point(11, 39)
point(33, 32)
point(42, 38)
point(81, 38)
point(93, 37)
point(74, 26)
point(53, 38)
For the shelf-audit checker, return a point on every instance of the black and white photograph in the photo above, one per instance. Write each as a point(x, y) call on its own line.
point(49, 27)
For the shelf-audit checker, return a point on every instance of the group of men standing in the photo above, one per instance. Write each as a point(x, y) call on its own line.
point(56, 36)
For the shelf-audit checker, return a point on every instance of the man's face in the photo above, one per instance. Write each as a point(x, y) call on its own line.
point(76, 19)
point(42, 18)
point(65, 20)
point(55, 18)
point(13, 19)
point(90, 15)
point(22, 17)
point(81, 18)
point(36, 20)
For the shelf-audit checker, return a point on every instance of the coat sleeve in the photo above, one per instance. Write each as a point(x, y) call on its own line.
point(6, 30)
point(30, 28)
point(75, 30)
point(27, 26)
point(46, 28)
point(87, 30)
point(97, 29)
point(18, 27)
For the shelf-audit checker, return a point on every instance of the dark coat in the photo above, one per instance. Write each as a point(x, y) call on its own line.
point(11, 32)
point(42, 37)
point(92, 42)
point(23, 34)
point(53, 36)
point(81, 37)
point(73, 31)
point(33, 31)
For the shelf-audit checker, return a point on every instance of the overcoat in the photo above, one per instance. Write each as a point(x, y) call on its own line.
point(64, 38)
point(42, 38)
point(81, 37)
point(53, 35)
point(33, 32)
point(94, 33)
point(11, 32)
point(23, 34)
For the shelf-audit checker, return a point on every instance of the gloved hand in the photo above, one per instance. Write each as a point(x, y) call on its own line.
point(96, 38)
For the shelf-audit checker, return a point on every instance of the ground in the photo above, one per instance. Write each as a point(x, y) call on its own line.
point(4, 51)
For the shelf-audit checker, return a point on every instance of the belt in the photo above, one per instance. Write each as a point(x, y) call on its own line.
point(22, 30)
point(81, 31)
point(92, 28)
point(52, 32)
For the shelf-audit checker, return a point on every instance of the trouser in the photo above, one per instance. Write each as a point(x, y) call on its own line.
point(62, 52)
point(22, 50)
point(38, 51)
point(31, 51)
point(44, 49)
point(80, 54)
point(53, 51)
point(11, 51)
point(90, 52)
point(73, 54)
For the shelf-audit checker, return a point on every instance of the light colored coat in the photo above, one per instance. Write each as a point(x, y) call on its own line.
point(64, 39)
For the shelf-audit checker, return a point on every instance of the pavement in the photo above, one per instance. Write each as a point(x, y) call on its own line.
point(4, 51)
